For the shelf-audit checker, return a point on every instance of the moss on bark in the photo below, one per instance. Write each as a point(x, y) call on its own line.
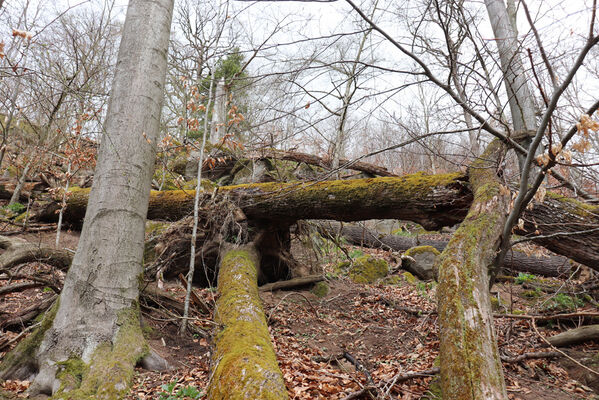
point(21, 361)
point(470, 364)
point(244, 364)
point(109, 374)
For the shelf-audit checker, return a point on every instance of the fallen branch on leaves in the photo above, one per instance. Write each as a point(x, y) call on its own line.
point(291, 283)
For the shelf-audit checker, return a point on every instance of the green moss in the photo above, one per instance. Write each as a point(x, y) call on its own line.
point(320, 289)
point(421, 249)
point(110, 371)
point(468, 363)
point(21, 218)
point(70, 373)
point(577, 207)
point(532, 294)
point(434, 390)
point(24, 352)
point(393, 280)
point(368, 269)
point(156, 228)
point(411, 279)
point(245, 365)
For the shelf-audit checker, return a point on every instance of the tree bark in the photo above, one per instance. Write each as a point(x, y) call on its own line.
point(519, 97)
point(515, 261)
point(96, 332)
point(244, 364)
point(575, 336)
point(433, 201)
point(470, 363)
point(18, 251)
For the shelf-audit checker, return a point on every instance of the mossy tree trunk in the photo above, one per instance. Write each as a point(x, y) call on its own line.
point(433, 201)
point(95, 339)
point(244, 364)
point(470, 363)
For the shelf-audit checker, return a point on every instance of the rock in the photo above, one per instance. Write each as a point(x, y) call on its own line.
point(320, 289)
point(154, 362)
point(368, 269)
point(420, 261)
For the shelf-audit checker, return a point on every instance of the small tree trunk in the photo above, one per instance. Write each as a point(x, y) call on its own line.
point(470, 363)
point(244, 364)
point(21, 181)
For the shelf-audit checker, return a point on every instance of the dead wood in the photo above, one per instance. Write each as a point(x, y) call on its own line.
point(564, 226)
point(244, 364)
point(516, 260)
point(150, 295)
point(195, 299)
point(467, 343)
point(291, 283)
point(23, 317)
point(310, 159)
point(575, 336)
point(18, 287)
point(18, 251)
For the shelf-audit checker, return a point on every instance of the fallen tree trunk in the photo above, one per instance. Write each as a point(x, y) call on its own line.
point(433, 201)
point(244, 364)
point(361, 166)
point(18, 251)
point(292, 283)
point(564, 226)
point(515, 261)
point(470, 363)
point(575, 336)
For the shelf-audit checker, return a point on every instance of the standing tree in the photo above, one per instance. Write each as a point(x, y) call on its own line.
point(90, 341)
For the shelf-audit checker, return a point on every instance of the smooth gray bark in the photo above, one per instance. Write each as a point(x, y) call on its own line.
point(520, 98)
point(102, 283)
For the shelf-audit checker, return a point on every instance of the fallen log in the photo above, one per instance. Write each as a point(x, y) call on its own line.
point(562, 225)
point(361, 166)
point(469, 356)
point(575, 336)
point(433, 201)
point(244, 364)
point(18, 251)
point(291, 283)
point(515, 261)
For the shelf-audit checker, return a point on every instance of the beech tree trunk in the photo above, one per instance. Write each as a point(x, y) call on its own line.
point(515, 261)
point(90, 347)
point(244, 364)
point(433, 201)
point(470, 363)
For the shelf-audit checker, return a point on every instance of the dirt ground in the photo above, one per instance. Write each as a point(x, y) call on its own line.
point(356, 336)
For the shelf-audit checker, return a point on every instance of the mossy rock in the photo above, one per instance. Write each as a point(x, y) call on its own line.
point(411, 279)
point(321, 289)
point(341, 268)
point(393, 280)
point(368, 269)
point(422, 262)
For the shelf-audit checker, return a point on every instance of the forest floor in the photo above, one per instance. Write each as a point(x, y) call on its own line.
point(360, 339)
